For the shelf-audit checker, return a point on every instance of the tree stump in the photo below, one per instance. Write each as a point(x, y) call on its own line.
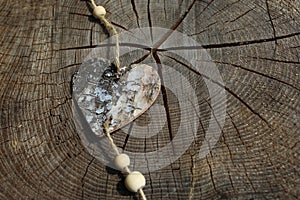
point(256, 49)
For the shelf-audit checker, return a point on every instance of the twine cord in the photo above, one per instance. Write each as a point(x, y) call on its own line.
point(108, 135)
point(114, 146)
point(113, 31)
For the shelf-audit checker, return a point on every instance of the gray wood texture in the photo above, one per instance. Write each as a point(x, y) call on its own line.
point(256, 48)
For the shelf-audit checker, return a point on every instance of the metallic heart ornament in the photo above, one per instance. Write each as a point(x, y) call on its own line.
point(100, 95)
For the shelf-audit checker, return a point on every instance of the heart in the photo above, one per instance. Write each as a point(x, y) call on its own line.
point(100, 95)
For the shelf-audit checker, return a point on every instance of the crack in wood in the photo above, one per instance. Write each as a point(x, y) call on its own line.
point(206, 7)
point(260, 74)
point(237, 130)
point(127, 135)
point(276, 60)
point(173, 28)
point(232, 44)
point(271, 21)
point(164, 94)
point(149, 18)
point(122, 44)
point(242, 15)
point(226, 88)
point(135, 12)
point(211, 174)
point(84, 175)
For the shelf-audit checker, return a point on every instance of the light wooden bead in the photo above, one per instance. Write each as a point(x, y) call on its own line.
point(135, 181)
point(99, 11)
point(122, 161)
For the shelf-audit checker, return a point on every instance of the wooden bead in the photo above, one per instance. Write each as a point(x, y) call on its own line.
point(99, 11)
point(122, 161)
point(135, 181)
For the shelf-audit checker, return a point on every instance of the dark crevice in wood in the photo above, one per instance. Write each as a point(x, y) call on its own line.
point(139, 46)
point(202, 11)
point(221, 128)
point(232, 44)
point(149, 19)
point(151, 185)
point(231, 182)
point(91, 37)
point(204, 29)
point(273, 28)
point(260, 74)
point(242, 15)
point(106, 182)
point(83, 177)
point(80, 14)
point(248, 178)
point(82, 47)
point(211, 174)
point(135, 12)
point(165, 10)
point(271, 21)
point(127, 136)
point(224, 8)
point(237, 130)
point(173, 28)
point(119, 25)
point(226, 88)
point(207, 46)
point(199, 118)
point(142, 58)
point(164, 94)
point(276, 60)
point(58, 165)
point(248, 106)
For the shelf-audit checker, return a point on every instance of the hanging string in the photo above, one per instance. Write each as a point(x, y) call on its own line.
point(108, 135)
point(115, 148)
point(142, 194)
point(99, 12)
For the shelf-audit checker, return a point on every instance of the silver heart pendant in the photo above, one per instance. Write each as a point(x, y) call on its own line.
point(100, 95)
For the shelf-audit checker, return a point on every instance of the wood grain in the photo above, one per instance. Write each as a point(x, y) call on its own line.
point(256, 47)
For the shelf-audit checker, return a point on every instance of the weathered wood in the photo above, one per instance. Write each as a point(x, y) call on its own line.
point(256, 48)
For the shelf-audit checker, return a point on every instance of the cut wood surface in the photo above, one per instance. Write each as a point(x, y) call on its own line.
point(255, 46)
